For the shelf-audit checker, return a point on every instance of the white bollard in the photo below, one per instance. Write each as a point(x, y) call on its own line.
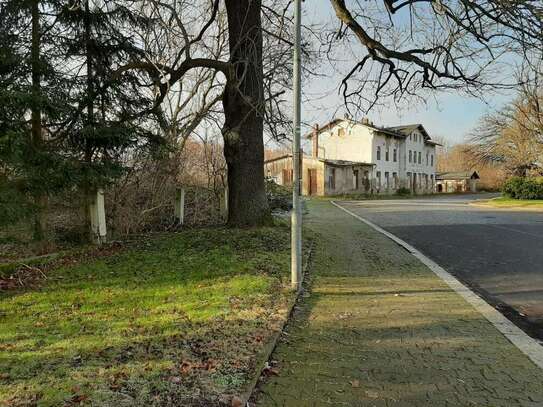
point(224, 204)
point(98, 217)
point(179, 206)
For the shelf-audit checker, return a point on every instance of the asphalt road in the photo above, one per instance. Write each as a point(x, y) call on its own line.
point(499, 253)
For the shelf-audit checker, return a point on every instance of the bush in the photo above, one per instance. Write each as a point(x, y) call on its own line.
point(279, 197)
point(403, 191)
point(523, 188)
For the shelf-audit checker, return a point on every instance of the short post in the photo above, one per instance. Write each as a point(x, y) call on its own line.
point(224, 204)
point(179, 206)
point(98, 217)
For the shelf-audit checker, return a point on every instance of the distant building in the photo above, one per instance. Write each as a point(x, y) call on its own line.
point(460, 181)
point(321, 176)
point(358, 157)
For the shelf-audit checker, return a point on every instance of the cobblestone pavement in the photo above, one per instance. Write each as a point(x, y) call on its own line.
point(377, 328)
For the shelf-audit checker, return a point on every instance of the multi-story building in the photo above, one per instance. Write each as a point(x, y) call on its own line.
point(358, 157)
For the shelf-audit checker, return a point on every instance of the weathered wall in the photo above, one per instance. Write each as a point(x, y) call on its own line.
point(275, 170)
point(353, 144)
point(356, 142)
point(345, 182)
point(426, 169)
point(386, 166)
point(450, 186)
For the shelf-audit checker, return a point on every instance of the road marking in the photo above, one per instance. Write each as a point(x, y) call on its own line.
point(527, 345)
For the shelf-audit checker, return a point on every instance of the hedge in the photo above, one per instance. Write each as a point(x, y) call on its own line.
point(523, 188)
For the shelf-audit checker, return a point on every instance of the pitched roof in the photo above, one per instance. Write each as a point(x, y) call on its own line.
point(336, 163)
point(344, 163)
point(457, 175)
point(325, 127)
point(394, 131)
point(280, 157)
point(410, 128)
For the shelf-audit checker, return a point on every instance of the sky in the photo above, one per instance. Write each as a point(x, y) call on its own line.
point(448, 117)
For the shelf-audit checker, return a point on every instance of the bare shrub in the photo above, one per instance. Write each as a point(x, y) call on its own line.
point(142, 200)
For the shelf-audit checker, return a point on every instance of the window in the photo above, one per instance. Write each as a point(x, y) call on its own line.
point(395, 155)
point(341, 132)
point(386, 155)
point(387, 180)
point(378, 179)
point(420, 157)
point(394, 180)
point(378, 152)
point(427, 158)
point(410, 155)
point(432, 160)
point(416, 139)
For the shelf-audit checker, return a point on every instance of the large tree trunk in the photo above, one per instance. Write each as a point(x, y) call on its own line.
point(243, 102)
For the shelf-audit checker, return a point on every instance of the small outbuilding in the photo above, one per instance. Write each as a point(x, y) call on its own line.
point(322, 176)
point(459, 181)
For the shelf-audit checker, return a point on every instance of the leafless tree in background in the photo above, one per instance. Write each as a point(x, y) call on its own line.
point(513, 136)
point(408, 47)
point(460, 157)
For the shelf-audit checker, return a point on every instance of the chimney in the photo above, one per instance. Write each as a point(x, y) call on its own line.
point(315, 149)
point(366, 121)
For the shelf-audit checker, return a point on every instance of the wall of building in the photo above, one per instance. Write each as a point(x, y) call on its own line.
point(356, 142)
point(356, 179)
point(424, 181)
point(387, 169)
point(346, 141)
point(280, 171)
point(451, 186)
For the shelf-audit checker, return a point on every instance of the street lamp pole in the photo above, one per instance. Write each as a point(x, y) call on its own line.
point(296, 223)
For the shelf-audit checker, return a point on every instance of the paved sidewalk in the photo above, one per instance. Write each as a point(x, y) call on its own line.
point(380, 329)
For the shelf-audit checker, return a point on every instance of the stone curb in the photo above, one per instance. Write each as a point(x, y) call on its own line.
point(272, 343)
point(527, 345)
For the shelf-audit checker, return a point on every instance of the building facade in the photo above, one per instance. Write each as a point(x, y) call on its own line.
point(358, 157)
point(402, 156)
point(460, 181)
point(322, 177)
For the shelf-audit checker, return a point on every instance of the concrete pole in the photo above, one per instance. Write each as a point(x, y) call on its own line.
point(98, 217)
point(179, 208)
point(296, 223)
point(100, 205)
point(224, 204)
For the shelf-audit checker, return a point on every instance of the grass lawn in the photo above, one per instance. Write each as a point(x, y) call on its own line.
point(504, 202)
point(175, 320)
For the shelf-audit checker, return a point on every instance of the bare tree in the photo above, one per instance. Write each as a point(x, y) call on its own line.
point(513, 136)
point(411, 46)
point(250, 93)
